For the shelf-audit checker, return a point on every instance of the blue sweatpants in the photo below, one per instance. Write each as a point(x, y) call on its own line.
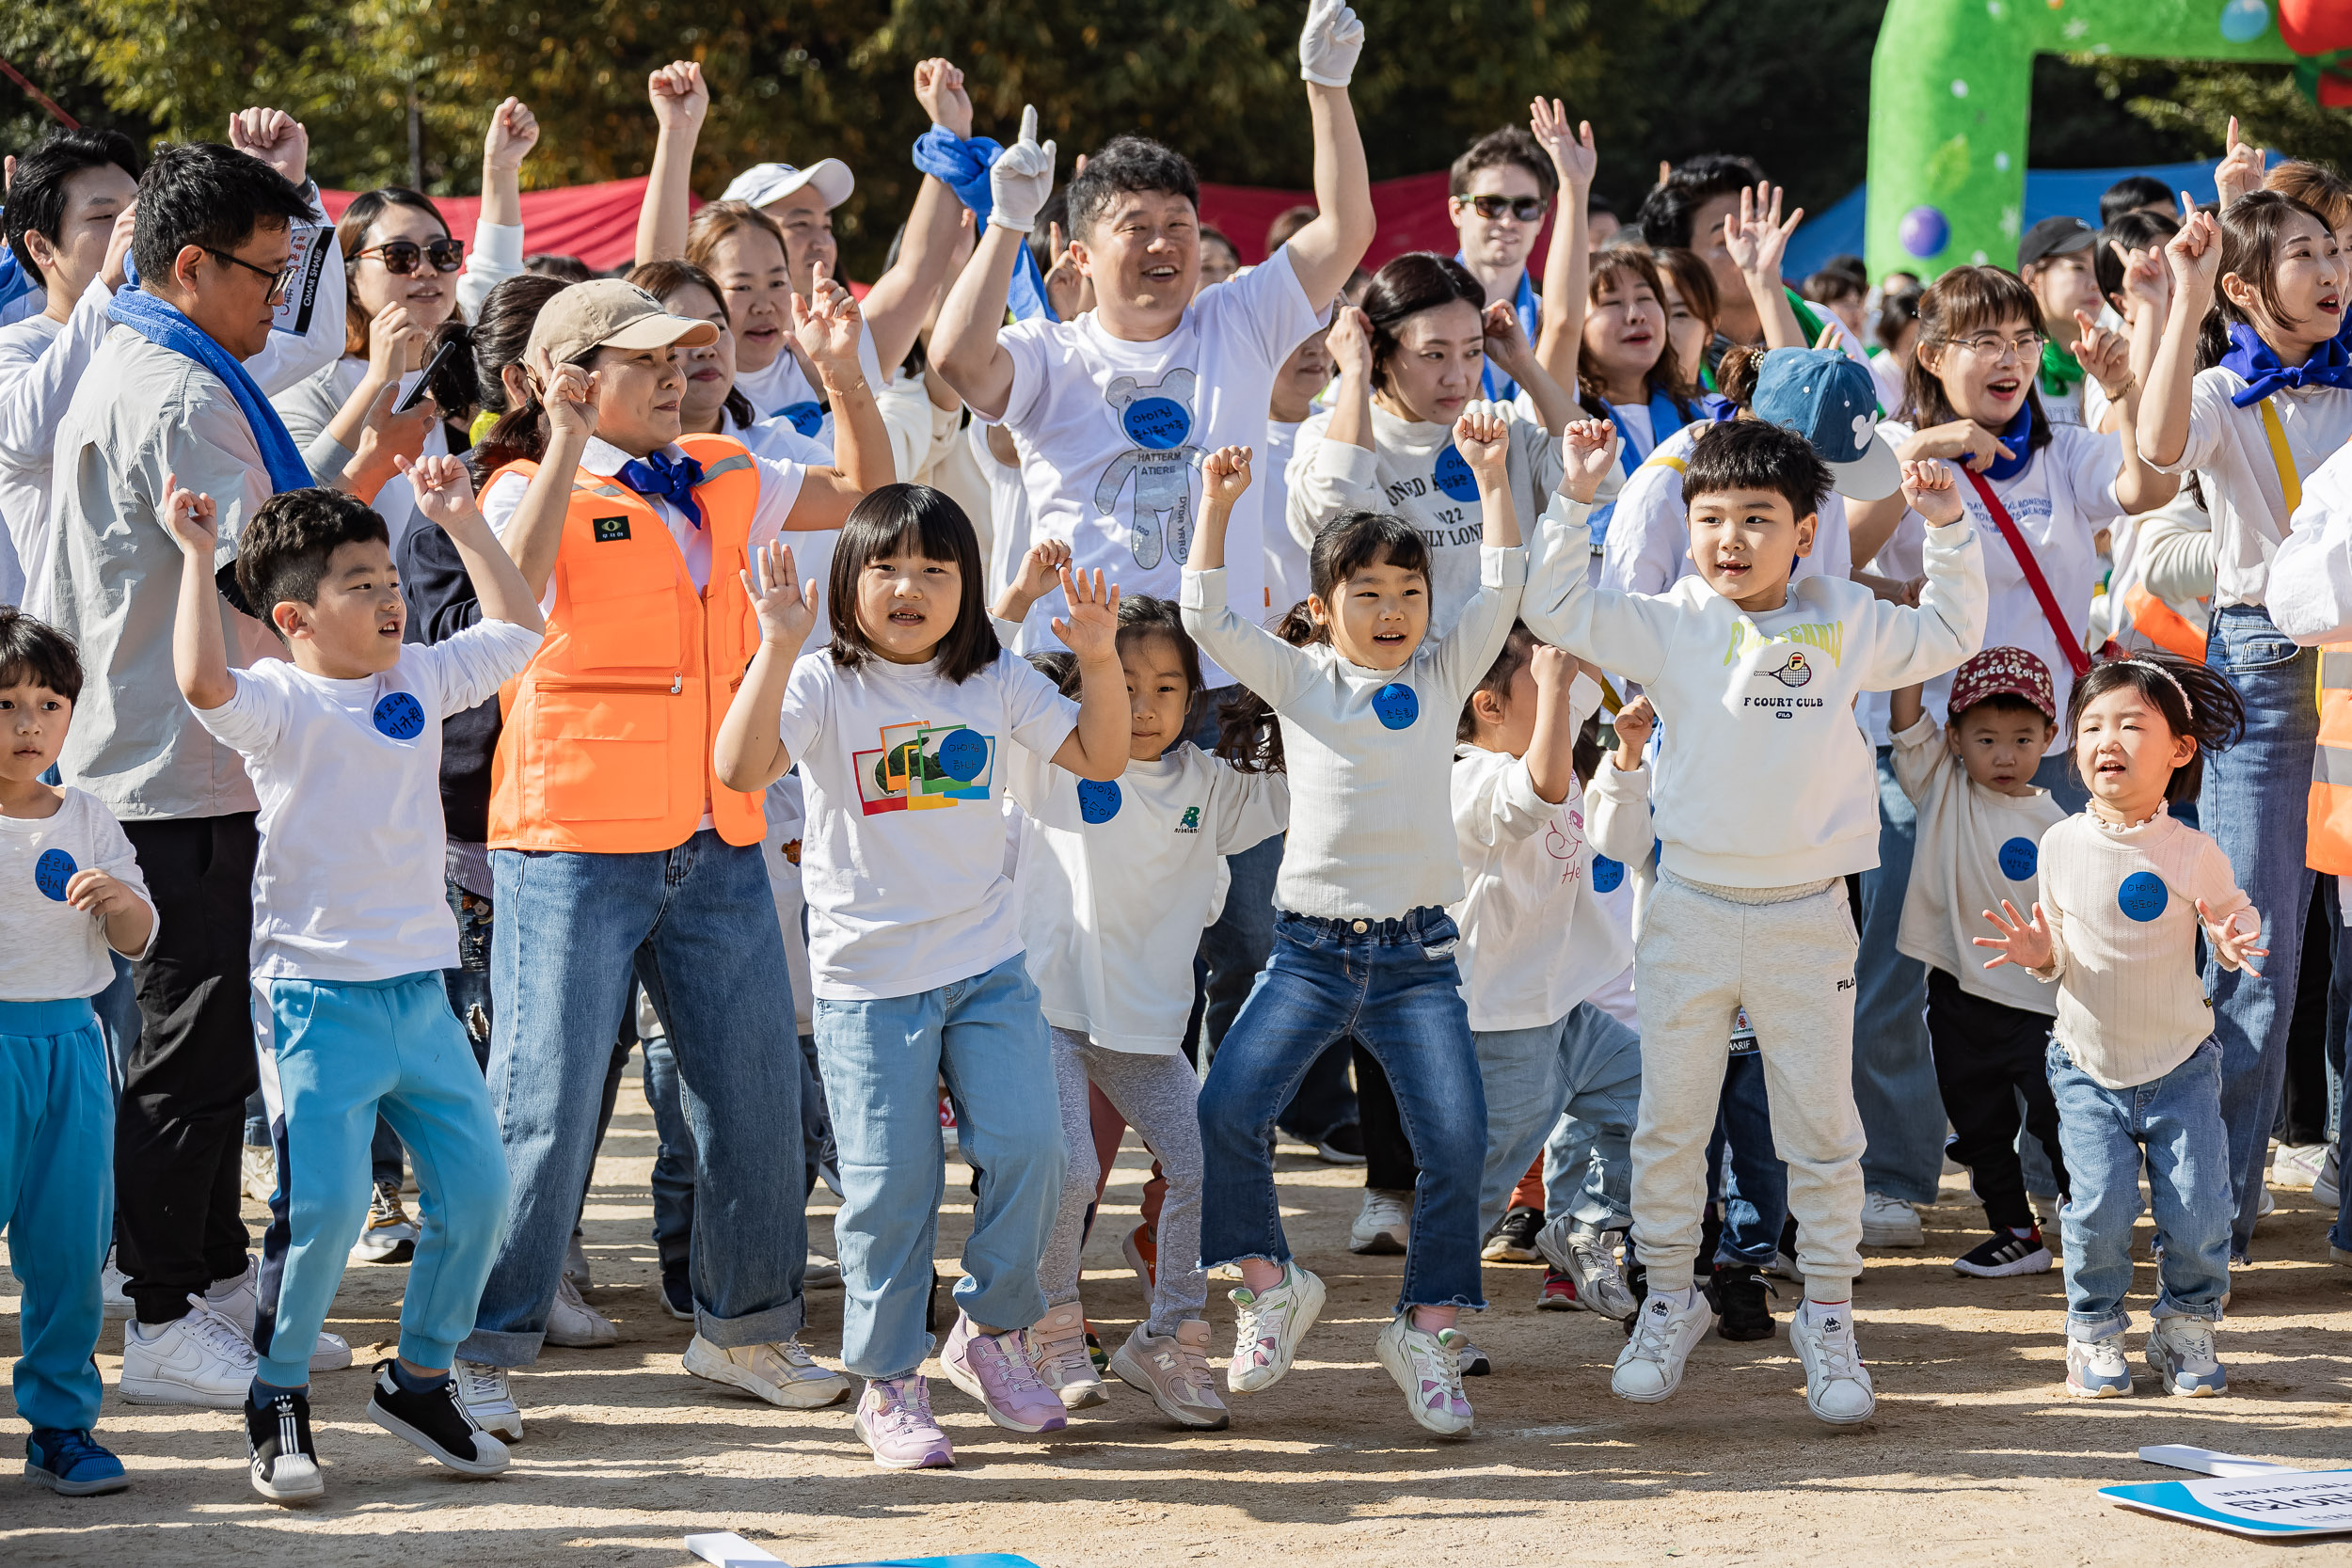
point(57, 1196)
point(339, 1054)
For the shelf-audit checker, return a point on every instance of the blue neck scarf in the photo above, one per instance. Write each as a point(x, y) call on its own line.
point(2330, 365)
point(672, 479)
point(962, 167)
point(15, 281)
point(2018, 438)
point(1664, 419)
point(1498, 386)
point(159, 323)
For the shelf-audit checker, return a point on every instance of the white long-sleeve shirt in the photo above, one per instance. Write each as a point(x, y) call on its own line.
point(2230, 449)
point(2311, 576)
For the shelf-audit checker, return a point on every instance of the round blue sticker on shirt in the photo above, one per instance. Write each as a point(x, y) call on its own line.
point(2019, 857)
point(1160, 423)
point(1607, 874)
point(961, 754)
point(2142, 896)
point(1098, 799)
point(52, 872)
point(806, 418)
point(400, 716)
point(1454, 475)
point(1396, 705)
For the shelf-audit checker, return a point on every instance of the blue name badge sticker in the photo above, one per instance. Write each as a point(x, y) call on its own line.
point(2142, 896)
point(1396, 705)
point(806, 418)
point(1098, 800)
point(52, 872)
point(961, 754)
point(2019, 857)
point(1160, 423)
point(399, 716)
point(1454, 475)
point(1608, 875)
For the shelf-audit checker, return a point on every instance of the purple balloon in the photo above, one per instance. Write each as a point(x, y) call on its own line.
point(1924, 232)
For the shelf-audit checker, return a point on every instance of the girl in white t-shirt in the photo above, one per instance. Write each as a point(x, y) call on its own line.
point(899, 729)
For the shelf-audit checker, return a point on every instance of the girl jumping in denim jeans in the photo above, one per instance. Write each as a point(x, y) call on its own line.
point(1363, 946)
point(2134, 1063)
point(899, 729)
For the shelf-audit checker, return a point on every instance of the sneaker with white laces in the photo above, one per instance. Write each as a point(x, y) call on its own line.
point(257, 1172)
point(282, 1461)
point(239, 1300)
point(436, 1421)
point(2095, 1369)
point(1890, 1222)
point(1588, 1256)
point(895, 1419)
point(389, 1235)
point(2296, 1166)
point(202, 1359)
point(1173, 1368)
point(1384, 1225)
point(1267, 1326)
point(1836, 1384)
point(994, 1369)
point(1427, 1368)
point(1649, 1368)
point(1056, 1344)
point(2327, 1186)
point(572, 1323)
point(114, 1292)
point(488, 1398)
point(2180, 1353)
point(782, 1372)
point(576, 1265)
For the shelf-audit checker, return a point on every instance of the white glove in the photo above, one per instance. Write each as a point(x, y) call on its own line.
point(1020, 179)
point(1330, 45)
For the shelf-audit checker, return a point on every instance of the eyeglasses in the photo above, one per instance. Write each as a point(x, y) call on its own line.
point(1526, 209)
point(1991, 345)
point(400, 257)
point(277, 279)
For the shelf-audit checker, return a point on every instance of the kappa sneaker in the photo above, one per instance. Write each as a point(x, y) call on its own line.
point(1588, 1256)
point(391, 1235)
point(1427, 1367)
point(201, 1359)
point(2180, 1353)
point(239, 1300)
point(1649, 1368)
point(994, 1369)
point(285, 1465)
point(488, 1398)
point(2003, 1254)
point(1267, 1326)
point(1056, 1344)
point(2095, 1369)
point(257, 1172)
point(573, 1323)
point(1385, 1224)
point(1890, 1222)
point(1836, 1384)
point(780, 1371)
point(894, 1418)
point(1173, 1368)
point(1514, 1237)
point(72, 1464)
point(436, 1420)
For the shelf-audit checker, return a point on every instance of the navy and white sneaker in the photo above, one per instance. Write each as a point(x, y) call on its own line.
point(2180, 1353)
point(2005, 1254)
point(72, 1464)
point(436, 1420)
point(278, 1442)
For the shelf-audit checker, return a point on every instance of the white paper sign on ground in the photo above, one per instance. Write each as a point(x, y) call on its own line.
point(2244, 1496)
point(726, 1549)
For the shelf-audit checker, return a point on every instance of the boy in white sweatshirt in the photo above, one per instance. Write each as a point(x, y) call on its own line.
point(1765, 797)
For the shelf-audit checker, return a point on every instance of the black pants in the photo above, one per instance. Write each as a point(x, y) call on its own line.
point(180, 1127)
point(2304, 1107)
point(1389, 1164)
point(1987, 1056)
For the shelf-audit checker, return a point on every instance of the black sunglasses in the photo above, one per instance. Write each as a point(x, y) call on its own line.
point(1526, 209)
point(277, 281)
point(400, 257)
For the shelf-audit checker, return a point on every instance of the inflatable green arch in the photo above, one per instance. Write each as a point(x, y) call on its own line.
point(1951, 83)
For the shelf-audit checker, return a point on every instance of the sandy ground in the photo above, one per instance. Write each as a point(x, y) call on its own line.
point(1975, 1454)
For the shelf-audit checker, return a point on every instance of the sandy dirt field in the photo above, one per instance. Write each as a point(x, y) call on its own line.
point(1975, 1455)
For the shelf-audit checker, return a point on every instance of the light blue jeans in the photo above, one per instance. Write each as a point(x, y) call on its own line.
point(1893, 1072)
point(2176, 1122)
point(1586, 1069)
point(56, 1198)
point(882, 1061)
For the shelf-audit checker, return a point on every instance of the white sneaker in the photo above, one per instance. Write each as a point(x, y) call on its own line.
point(2326, 1185)
point(113, 1291)
point(2296, 1166)
point(1267, 1326)
point(1588, 1257)
point(257, 1172)
point(2095, 1369)
point(575, 1266)
point(2180, 1353)
point(489, 1398)
point(1890, 1222)
point(1649, 1368)
point(573, 1324)
point(782, 1372)
point(1427, 1367)
point(201, 1359)
point(1836, 1384)
point(239, 1301)
point(391, 1235)
point(1056, 1344)
point(1385, 1225)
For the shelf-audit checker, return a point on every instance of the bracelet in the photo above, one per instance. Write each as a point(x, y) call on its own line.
point(2117, 394)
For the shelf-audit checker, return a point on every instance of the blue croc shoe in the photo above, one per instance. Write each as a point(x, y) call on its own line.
point(72, 1463)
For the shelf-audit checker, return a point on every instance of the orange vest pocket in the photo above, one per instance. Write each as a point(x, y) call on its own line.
point(603, 747)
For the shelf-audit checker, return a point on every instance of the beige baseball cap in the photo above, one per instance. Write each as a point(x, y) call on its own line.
point(611, 312)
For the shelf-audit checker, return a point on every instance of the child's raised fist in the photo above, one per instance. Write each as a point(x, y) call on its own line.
point(1225, 474)
point(1634, 724)
point(444, 490)
point(1931, 490)
point(1483, 436)
point(1590, 447)
point(1552, 669)
point(189, 516)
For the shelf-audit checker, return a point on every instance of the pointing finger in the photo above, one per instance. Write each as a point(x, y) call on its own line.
point(1028, 123)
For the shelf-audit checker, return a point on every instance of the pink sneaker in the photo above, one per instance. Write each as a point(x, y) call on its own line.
point(895, 1419)
point(994, 1369)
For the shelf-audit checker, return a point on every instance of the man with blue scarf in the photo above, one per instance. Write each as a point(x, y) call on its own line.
point(1500, 192)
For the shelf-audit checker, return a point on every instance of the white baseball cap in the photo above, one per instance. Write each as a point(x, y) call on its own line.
point(763, 183)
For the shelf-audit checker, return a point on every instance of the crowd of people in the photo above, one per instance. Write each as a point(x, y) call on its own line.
point(1647, 761)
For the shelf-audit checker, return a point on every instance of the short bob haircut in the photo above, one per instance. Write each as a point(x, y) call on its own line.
point(919, 520)
point(285, 549)
point(2216, 721)
point(34, 653)
point(1756, 455)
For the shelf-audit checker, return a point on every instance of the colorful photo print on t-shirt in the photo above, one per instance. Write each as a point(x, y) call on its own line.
point(922, 767)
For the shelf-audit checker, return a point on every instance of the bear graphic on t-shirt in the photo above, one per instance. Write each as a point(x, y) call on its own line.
point(1159, 420)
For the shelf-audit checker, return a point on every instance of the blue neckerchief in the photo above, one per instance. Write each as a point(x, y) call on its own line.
point(672, 479)
point(962, 167)
point(1664, 419)
point(159, 323)
point(2330, 365)
point(2018, 438)
point(15, 281)
point(1498, 386)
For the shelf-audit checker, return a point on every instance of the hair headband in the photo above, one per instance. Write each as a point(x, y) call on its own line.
point(2187, 706)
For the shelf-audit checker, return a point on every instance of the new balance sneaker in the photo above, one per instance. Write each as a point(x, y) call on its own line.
point(488, 1397)
point(391, 1235)
point(2180, 1353)
point(1558, 1293)
point(780, 1371)
point(1890, 1222)
point(1649, 1367)
point(2296, 1165)
point(202, 1359)
point(1384, 1225)
point(994, 1369)
point(1470, 1359)
point(436, 1421)
point(2095, 1369)
point(2005, 1253)
point(1513, 1240)
point(1836, 1384)
point(239, 1301)
point(257, 1172)
point(893, 1418)
point(573, 1324)
point(1056, 1344)
point(1267, 1326)
point(1341, 1146)
point(1741, 1300)
point(72, 1464)
point(1143, 1254)
point(1427, 1367)
point(1588, 1256)
point(576, 1265)
point(114, 1292)
point(2327, 1186)
point(284, 1465)
point(1173, 1368)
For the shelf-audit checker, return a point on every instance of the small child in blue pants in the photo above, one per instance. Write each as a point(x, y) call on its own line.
point(70, 889)
point(352, 929)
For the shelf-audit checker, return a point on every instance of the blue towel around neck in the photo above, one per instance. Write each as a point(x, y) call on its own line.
point(962, 167)
point(160, 324)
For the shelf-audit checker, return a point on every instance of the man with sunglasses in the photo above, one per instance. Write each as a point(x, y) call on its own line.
point(1502, 190)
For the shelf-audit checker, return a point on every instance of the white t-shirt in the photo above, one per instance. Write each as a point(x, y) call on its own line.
point(1113, 433)
point(2230, 452)
point(349, 885)
point(1535, 941)
point(42, 361)
point(1289, 573)
point(784, 390)
point(1112, 966)
point(54, 952)
point(1009, 508)
point(1648, 548)
point(902, 858)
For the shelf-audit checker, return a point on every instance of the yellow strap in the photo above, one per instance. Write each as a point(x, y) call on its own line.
point(2285, 460)
point(1660, 460)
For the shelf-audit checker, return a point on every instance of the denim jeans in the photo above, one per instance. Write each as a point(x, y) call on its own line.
point(673, 1163)
point(2253, 805)
point(700, 923)
point(882, 1061)
point(1894, 1073)
point(1391, 986)
point(2101, 1133)
point(1741, 1165)
point(1585, 1068)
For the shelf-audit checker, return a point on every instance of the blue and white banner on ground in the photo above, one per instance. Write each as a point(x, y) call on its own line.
point(2244, 1496)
